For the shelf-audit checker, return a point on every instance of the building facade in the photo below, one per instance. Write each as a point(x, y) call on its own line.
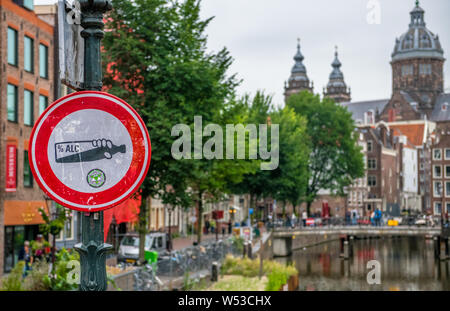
point(26, 88)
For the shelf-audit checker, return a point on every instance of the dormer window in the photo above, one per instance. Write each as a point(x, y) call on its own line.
point(407, 70)
point(425, 69)
point(444, 106)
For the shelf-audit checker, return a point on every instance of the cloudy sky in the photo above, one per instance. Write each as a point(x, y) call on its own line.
point(262, 37)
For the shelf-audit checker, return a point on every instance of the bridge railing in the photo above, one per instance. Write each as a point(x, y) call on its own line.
point(360, 222)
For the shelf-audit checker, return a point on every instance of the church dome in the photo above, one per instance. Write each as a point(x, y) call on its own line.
point(418, 41)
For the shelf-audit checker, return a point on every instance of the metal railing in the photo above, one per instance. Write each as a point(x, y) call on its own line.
point(178, 263)
point(412, 221)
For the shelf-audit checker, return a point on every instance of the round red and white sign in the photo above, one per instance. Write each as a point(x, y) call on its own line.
point(89, 151)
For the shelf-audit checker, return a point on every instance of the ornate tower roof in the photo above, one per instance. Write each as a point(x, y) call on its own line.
point(336, 87)
point(298, 81)
point(418, 41)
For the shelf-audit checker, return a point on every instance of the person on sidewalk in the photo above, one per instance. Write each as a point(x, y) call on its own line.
point(207, 225)
point(213, 226)
point(304, 217)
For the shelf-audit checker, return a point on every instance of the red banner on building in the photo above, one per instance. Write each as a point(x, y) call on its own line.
point(11, 171)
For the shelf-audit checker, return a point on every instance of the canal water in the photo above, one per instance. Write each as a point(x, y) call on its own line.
point(405, 263)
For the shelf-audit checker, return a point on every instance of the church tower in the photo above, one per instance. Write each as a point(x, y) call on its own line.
point(336, 88)
point(417, 64)
point(298, 81)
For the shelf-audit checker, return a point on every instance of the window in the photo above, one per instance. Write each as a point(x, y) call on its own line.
point(27, 176)
point(371, 181)
point(447, 207)
point(369, 146)
point(437, 186)
point(425, 69)
point(67, 232)
point(43, 61)
point(437, 208)
point(421, 153)
point(28, 4)
point(447, 153)
point(407, 70)
point(12, 46)
point(68, 229)
point(12, 103)
point(43, 103)
point(437, 154)
point(28, 54)
point(372, 164)
point(422, 166)
point(28, 108)
point(437, 171)
point(447, 188)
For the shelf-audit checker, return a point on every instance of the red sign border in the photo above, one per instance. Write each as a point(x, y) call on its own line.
point(105, 206)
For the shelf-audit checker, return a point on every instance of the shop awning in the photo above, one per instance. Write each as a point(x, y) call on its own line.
point(127, 211)
point(20, 213)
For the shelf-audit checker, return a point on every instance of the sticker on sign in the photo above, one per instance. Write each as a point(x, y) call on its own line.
point(89, 151)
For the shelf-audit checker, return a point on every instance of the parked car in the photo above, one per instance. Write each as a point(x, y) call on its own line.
point(421, 221)
point(129, 246)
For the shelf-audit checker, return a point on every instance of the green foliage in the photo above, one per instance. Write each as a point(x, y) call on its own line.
point(59, 279)
point(275, 271)
point(238, 243)
point(290, 179)
point(55, 226)
point(13, 282)
point(279, 276)
point(34, 281)
point(335, 159)
point(156, 58)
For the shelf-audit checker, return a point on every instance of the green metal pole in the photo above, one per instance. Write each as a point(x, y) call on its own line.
point(92, 248)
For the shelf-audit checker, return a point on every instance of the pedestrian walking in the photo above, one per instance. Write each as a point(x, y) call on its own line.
point(304, 217)
point(294, 219)
point(207, 225)
point(213, 226)
point(25, 255)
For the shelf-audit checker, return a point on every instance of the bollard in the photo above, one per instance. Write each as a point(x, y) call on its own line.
point(245, 249)
point(215, 271)
point(249, 250)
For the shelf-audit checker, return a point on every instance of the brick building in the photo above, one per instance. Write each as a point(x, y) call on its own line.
point(418, 104)
point(382, 170)
point(26, 88)
point(440, 164)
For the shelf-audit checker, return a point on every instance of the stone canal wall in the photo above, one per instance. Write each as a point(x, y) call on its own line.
point(284, 246)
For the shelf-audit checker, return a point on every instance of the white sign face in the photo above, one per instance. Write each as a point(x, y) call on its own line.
point(90, 151)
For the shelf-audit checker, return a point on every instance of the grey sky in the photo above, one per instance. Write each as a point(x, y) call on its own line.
point(261, 36)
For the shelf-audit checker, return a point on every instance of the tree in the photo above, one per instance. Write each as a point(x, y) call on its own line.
point(335, 159)
point(155, 58)
point(256, 111)
point(290, 179)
